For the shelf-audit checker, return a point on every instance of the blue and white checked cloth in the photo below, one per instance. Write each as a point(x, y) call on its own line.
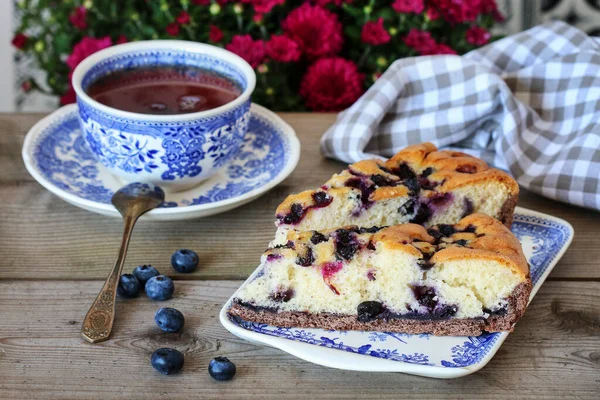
point(529, 103)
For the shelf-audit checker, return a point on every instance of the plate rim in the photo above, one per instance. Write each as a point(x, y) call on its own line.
point(38, 128)
point(356, 362)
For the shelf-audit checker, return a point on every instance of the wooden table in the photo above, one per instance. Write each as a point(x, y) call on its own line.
point(54, 257)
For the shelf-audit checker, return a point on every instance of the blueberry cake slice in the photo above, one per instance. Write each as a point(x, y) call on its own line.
point(419, 184)
point(457, 279)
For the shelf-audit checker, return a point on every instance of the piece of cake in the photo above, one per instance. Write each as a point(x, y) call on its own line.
point(457, 279)
point(419, 185)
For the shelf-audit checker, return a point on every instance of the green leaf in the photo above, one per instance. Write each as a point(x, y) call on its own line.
point(353, 32)
point(62, 43)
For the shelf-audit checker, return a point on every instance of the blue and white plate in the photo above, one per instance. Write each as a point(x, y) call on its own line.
point(544, 239)
point(56, 155)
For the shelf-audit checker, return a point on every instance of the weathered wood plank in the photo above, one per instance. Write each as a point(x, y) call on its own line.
point(42, 237)
point(554, 352)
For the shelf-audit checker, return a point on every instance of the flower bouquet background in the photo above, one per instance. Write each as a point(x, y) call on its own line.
point(318, 55)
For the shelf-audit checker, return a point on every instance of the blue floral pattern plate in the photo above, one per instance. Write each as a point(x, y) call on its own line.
point(544, 239)
point(57, 156)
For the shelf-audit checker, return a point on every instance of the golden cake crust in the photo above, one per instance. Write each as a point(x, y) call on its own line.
point(493, 241)
point(454, 168)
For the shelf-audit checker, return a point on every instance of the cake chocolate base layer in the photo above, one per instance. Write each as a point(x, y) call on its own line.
point(508, 210)
point(517, 304)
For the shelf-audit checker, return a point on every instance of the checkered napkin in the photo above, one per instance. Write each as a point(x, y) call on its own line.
point(529, 103)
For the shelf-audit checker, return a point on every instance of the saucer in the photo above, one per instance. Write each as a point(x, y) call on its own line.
point(57, 156)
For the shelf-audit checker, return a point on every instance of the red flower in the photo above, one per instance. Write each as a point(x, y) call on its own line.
point(459, 11)
point(121, 39)
point(331, 84)
point(215, 34)
point(456, 11)
point(490, 7)
point(87, 46)
point(432, 13)
point(172, 29)
point(77, 18)
point(201, 2)
point(258, 18)
point(477, 35)
point(409, 6)
point(253, 51)
point(282, 48)
point(374, 33)
point(334, 2)
point(439, 49)
point(419, 40)
point(68, 97)
point(263, 6)
point(183, 18)
point(316, 30)
point(19, 41)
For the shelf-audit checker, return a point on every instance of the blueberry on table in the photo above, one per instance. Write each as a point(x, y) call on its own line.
point(129, 286)
point(167, 361)
point(184, 261)
point(169, 319)
point(160, 287)
point(145, 272)
point(221, 369)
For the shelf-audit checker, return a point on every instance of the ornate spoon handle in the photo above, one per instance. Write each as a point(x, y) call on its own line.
point(98, 322)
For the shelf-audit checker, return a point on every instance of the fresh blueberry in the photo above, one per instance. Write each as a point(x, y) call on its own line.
point(129, 286)
point(221, 368)
point(184, 261)
point(160, 287)
point(169, 319)
point(145, 272)
point(167, 361)
point(369, 310)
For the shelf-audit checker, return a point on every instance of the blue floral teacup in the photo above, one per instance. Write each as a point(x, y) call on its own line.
point(175, 152)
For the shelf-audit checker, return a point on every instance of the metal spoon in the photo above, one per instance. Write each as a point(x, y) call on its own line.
point(132, 201)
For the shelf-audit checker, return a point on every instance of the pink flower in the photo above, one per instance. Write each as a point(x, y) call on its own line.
point(19, 41)
point(183, 18)
point(316, 30)
point(477, 35)
point(77, 18)
point(215, 34)
point(172, 29)
point(258, 18)
point(253, 51)
point(331, 84)
point(409, 6)
point(201, 2)
point(374, 33)
point(283, 49)
point(439, 49)
point(263, 6)
point(419, 40)
point(121, 39)
point(87, 46)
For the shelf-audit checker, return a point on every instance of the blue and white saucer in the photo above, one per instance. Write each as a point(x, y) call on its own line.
point(56, 155)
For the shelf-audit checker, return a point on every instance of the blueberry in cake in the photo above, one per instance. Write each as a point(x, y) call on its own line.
point(457, 279)
point(419, 184)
